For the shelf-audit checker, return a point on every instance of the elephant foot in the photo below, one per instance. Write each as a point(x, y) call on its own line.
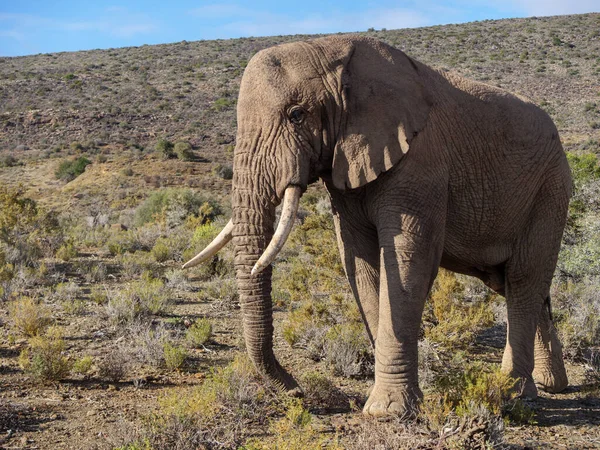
point(526, 389)
point(386, 402)
point(552, 382)
point(283, 381)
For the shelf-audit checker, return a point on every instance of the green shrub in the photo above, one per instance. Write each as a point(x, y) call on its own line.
point(199, 333)
point(165, 149)
point(70, 169)
point(161, 251)
point(44, 359)
point(224, 171)
point(174, 356)
point(184, 152)
point(584, 167)
point(83, 366)
point(67, 251)
point(173, 206)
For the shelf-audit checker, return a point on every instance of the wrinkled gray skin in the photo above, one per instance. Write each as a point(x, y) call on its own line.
point(424, 169)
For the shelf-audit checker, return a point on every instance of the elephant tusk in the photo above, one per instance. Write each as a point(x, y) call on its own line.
point(291, 199)
point(211, 249)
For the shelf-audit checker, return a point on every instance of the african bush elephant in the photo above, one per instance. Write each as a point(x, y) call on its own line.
point(424, 169)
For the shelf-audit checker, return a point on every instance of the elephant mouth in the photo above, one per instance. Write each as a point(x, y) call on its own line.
point(291, 201)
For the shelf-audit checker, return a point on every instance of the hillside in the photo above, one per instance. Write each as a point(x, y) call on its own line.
point(106, 343)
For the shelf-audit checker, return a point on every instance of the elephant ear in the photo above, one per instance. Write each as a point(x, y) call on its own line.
point(385, 108)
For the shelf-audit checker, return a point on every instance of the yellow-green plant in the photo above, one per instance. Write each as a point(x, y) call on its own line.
point(83, 366)
point(174, 356)
point(199, 333)
point(161, 251)
point(29, 317)
point(67, 251)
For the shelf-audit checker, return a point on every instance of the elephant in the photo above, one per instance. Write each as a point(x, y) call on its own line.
point(424, 169)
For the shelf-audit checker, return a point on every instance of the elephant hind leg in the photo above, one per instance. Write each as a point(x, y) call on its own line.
point(549, 371)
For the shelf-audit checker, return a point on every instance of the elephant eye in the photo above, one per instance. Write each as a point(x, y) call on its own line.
point(297, 116)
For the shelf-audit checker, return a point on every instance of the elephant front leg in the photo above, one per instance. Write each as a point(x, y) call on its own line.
point(409, 264)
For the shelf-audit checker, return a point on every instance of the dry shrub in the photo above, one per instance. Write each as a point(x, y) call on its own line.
point(577, 315)
point(29, 317)
point(222, 293)
point(348, 351)
point(139, 298)
point(116, 365)
point(218, 414)
point(146, 343)
point(320, 393)
point(451, 320)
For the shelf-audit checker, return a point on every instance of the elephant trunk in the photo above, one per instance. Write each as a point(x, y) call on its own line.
point(253, 217)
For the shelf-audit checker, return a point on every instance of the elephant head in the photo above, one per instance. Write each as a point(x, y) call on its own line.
point(344, 109)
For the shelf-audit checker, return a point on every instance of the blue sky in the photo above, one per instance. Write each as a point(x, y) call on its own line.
point(35, 26)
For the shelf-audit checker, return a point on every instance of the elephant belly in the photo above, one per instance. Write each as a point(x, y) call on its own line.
point(492, 275)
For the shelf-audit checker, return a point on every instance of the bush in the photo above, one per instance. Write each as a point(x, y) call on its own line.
point(450, 320)
point(220, 410)
point(71, 169)
point(173, 206)
point(161, 251)
point(577, 315)
point(174, 356)
point(66, 252)
point(8, 161)
point(348, 351)
point(115, 365)
point(26, 232)
point(184, 152)
point(165, 149)
point(29, 317)
point(139, 298)
point(43, 359)
point(224, 171)
point(147, 343)
point(137, 264)
point(83, 366)
point(199, 333)
point(294, 432)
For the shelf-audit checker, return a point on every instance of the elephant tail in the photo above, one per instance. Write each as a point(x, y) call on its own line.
point(548, 304)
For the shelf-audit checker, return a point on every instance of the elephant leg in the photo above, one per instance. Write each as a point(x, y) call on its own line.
point(549, 369)
point(531, 338)
point(359, 250)
point(409, 264)
point(523, 306)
